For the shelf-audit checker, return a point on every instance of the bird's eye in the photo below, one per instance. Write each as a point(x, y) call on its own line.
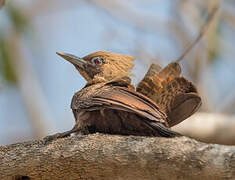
point(97, 61)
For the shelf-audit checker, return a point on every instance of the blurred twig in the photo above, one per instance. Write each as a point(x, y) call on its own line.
point(124, 12)
point(202, 32)
point(209, 127)
point(21, 71)
point(2, 3)
point(29, 87)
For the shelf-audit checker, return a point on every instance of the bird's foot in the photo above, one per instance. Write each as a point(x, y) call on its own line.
point(58, 135)
point(52, 137)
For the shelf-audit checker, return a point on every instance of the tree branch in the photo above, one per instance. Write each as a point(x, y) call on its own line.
point(209, 127)
point(100, 156)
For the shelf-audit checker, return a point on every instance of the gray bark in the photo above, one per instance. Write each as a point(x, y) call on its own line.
point(100, 156)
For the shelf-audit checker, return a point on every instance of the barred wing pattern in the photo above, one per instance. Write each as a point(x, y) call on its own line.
point(175, 95)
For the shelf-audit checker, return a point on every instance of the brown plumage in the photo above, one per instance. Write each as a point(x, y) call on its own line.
point(109, 103)
point(174, 95)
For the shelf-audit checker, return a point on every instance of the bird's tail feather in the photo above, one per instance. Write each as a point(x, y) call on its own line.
point(163, 131)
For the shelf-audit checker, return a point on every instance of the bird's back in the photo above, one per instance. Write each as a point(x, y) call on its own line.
point(114, 109)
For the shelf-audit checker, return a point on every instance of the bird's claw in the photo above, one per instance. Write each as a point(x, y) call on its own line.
point(51, 137)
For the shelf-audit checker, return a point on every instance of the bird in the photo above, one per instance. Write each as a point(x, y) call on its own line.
point(109, 103)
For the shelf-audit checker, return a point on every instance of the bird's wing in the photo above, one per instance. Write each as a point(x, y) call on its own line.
point(155, 77)
point(120, 98)
point(175, 95)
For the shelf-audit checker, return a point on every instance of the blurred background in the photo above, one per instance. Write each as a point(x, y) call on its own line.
point(36, 85)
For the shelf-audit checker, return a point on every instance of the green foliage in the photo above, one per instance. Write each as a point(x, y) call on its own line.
point(213, 50)
point(19, 23)
point(18, 20)
point(6, 69)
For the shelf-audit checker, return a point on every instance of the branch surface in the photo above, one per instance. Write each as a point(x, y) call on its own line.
point(100, 156)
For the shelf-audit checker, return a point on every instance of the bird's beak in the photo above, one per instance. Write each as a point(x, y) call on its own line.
point(73, 59)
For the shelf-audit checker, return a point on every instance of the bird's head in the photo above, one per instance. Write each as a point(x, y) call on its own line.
point(101, 66)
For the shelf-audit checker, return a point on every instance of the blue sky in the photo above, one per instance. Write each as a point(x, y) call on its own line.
point(80, 30)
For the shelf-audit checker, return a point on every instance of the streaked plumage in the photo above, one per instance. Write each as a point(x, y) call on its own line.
point(110, 104)
point(174, 94)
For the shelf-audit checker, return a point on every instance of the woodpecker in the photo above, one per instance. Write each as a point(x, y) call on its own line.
point(110, 104)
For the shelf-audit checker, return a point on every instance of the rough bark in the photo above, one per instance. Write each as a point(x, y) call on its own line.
point(99, 156)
